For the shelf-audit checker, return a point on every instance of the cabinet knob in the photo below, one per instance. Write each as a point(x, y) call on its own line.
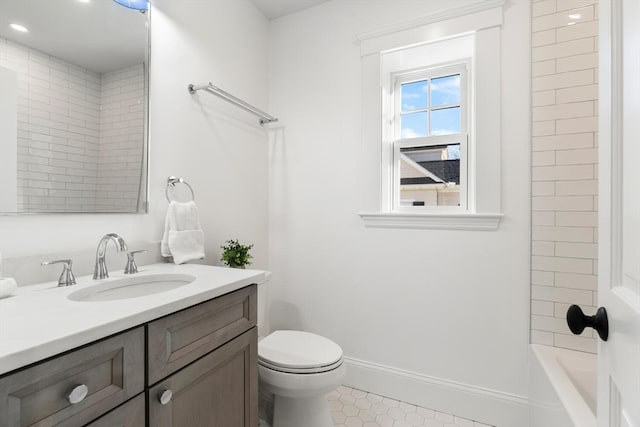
point(165, 396)
point(78, 394)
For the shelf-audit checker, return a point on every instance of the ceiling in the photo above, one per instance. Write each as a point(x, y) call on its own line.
point(274, 9)
point(98, 35)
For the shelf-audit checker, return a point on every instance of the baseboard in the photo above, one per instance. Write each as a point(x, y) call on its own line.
point(487, 406)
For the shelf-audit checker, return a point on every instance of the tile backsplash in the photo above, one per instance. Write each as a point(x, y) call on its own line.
point(564, 168)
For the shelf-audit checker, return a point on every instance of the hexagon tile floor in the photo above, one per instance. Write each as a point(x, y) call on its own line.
point(355, 408)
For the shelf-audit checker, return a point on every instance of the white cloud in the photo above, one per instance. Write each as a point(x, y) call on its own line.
point(409, 133)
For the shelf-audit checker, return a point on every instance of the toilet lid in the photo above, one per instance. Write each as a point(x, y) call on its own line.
point(298, 351)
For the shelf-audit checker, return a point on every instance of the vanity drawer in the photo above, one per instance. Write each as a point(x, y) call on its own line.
point(112, 370)
point(180, 338)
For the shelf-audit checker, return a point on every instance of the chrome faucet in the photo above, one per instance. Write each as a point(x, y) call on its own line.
point(100, 271)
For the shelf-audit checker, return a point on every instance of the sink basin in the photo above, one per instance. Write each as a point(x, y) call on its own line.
point(131, 287)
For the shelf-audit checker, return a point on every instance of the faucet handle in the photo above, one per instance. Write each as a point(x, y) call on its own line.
point(66, 277)
point(131, 267)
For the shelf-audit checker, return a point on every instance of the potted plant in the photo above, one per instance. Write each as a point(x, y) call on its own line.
point(236, 255)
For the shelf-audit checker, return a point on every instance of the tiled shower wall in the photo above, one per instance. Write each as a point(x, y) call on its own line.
point(121, 130)
point(63, 120)
point(564, 168)
point(58, 121)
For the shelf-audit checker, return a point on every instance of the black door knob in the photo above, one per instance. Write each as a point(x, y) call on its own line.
point(577, 321)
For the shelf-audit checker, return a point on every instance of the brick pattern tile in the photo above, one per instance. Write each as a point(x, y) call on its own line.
point(79, 133)
point(564, 168)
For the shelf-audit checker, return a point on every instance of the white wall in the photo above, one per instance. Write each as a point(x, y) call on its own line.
point(221, 151)
point(449, 305)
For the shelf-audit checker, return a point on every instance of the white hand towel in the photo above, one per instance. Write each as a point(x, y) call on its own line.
point(183, 237)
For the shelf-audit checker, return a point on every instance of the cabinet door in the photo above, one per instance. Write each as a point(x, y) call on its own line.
point(75, 388)
point(131, 414)
point(218, 390)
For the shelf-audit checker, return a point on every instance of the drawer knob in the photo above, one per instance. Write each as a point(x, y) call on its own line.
point(165, 397)
point(78, 394)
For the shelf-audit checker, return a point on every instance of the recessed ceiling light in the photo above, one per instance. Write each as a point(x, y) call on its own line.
point(19, 27)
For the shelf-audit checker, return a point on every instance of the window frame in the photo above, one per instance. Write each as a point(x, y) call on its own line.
point(461, 67)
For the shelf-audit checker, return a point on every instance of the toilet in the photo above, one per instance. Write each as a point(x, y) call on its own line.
point(299, 369)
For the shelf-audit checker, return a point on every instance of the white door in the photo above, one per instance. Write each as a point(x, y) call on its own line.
point(619, 256)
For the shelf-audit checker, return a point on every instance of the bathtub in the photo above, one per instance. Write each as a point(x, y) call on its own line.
point(563, 385)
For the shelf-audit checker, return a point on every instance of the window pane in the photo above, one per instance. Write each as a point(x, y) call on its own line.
point(413, 125)
point(445, 121)
point(430, 175)
point(445, 90)
point(414, 95)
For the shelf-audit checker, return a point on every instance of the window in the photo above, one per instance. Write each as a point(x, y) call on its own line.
point(436, 158)
point(429, 126)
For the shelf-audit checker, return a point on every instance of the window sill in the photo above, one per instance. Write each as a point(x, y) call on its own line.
point(438, 221)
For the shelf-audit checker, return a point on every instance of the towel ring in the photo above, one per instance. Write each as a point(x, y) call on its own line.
point(172, 181)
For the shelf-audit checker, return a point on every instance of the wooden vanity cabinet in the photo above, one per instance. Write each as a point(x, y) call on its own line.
point(205, 355)
point(218, 390)
point(112, 371)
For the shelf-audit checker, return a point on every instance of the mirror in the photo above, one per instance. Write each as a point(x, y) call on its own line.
point(73, 106)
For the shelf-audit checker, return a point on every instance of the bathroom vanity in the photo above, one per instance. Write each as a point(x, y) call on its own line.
point(182, 356)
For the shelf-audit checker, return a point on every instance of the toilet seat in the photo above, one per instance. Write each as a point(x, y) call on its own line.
point(298, 352)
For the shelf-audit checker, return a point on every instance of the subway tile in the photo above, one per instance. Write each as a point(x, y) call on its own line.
point(577, 94)
point(553, 294)
point(577, 31)
point(543, 158)
point(562, 203)
point(562, 173)
point(576, 250)
point(563, 142)
point(543, 188)
point(563, 111)
point(543, 38)
point(577, 62)
point(543, 98)
point(576, 281)
point(560, 264)
point(543, 248)
point(543, 218)
point(562, 50)
point(562, 233)
point(571, 126)
point(577, 157)
point(545, 7)
point(542, 308)
point(563, 80)
point(578, 343)
point(542, 337)
point(577, 188)
point(561, 19)
point(542, 278)
point(577, 219)
point(549, 323)
point(543, 128)
point(563, 5)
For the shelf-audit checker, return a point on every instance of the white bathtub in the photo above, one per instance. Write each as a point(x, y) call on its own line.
point(562, 387)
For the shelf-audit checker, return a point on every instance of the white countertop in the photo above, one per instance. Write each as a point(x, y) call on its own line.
point(38, 321)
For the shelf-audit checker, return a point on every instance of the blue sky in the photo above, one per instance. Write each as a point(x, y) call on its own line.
point(444, 91)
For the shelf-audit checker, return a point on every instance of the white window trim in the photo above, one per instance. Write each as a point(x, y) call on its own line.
point(484, 22)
